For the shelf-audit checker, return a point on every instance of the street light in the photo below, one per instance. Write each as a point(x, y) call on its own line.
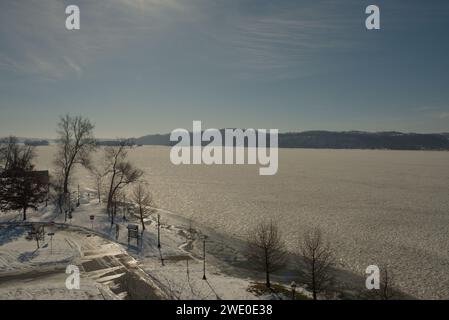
point(293, 285)
point(158, 231)
point(92, 218)
point(51, 234)
point(204, 257)
point(78, 199)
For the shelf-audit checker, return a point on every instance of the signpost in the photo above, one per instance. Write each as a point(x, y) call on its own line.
point(133, 232)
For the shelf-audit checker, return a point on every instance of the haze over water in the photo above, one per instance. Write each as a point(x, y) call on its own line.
point(376, 206)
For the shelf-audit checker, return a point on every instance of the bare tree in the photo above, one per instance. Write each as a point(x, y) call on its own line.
point(266, 249)
point(13, 155)
point(3, 153)
point(144, 201)
point(6, 145)
point(56, 183)
point(37, 233)
point(386, 291)
point(99, 173)
point(120, 171)
point(114, 155)
point(76, 141)
point(317, 259)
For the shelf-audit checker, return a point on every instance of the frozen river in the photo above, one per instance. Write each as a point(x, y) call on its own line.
point(377, 207)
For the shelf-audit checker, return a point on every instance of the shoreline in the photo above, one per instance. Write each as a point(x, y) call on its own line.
point(349, 285)
point(223, 252)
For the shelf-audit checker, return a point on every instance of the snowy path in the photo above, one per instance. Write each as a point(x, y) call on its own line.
point(107, 271)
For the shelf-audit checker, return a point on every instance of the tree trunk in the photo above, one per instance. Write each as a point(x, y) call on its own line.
point(108, 207)
point(268, 280)
point(313, 280)
point(111, 192)
point(66, 181)
point(267, 271)
point(37, 239)
point(60, 202)
point(24, 213)
point(112, 213)
point(141, 219)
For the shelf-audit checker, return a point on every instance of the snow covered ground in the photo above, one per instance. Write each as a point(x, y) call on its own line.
point(28, 272)
point(111, 268)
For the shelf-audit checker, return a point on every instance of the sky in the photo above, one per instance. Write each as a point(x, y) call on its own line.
point(138, 67)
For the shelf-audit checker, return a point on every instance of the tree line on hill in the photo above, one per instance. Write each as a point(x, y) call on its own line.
point(310, 139)
point(339, 140)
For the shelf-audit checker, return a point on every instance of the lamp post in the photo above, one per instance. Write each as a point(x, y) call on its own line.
point(158, 231)
point(293, 285)
point(204, 257)
point(51, 234)
point(78, 199)
point(92, 218)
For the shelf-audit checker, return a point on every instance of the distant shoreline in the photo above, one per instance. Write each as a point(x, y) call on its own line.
point(349, 140)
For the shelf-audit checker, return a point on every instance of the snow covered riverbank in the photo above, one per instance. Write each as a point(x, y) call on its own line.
point(175, 271)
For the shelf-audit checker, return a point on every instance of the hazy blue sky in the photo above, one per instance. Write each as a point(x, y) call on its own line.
point(139, 67)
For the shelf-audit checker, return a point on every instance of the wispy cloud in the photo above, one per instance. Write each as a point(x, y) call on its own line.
point(73, 65)
point(279, 40)
point(426, 109)
point(434, 112)
point(269, 41)
point(36, 43)
point(443, 115)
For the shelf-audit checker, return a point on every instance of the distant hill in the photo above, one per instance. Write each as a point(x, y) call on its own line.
point(315, 140)
point(341, 140)
point(155, 139)
point(364, 140)
point(36, 143)
point(108, 142)
point(30, 141)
